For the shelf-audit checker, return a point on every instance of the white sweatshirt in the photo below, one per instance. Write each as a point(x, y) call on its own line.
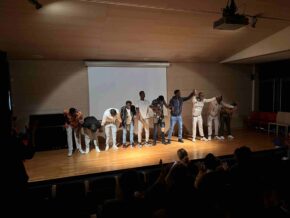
point(215, 108)
point(198, 105)
point(107, 117)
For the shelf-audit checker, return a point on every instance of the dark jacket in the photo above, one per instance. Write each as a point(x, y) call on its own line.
point(176, 104)
point(124, 114)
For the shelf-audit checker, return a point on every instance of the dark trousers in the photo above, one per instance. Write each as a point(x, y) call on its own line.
point(225, 121)
point(160, 123)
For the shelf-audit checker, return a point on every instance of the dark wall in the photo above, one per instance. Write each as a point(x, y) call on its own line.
point(274, 86)
point(5, 105)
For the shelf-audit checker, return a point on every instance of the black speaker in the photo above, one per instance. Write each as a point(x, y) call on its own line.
point(48, 131)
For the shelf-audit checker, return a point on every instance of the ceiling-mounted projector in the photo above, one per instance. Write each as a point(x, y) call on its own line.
point(231, 20)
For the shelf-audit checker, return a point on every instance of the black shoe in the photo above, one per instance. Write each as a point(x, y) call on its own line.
point(164, 143)
point(169, 141)
point(180, 140)
point(124, 146)
point(154, 143)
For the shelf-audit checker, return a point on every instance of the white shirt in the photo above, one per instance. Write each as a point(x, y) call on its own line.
point(143, 108)
point(215, 108)
point(107, 117)
point(129, 117)
point(198, 105)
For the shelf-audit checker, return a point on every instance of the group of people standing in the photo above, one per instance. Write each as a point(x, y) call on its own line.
point(219, 113)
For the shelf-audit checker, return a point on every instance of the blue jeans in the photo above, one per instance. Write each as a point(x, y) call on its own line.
point(173, 120)
point(131, 133)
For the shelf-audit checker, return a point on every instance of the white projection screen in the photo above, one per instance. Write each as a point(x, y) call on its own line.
point(110, 87)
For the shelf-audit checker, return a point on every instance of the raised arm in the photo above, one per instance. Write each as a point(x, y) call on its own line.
point(227, 105)
point(189, 96)
point(207, 100)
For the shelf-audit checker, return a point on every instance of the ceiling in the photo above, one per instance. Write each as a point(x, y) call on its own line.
point(264, 58)
point(141, 30)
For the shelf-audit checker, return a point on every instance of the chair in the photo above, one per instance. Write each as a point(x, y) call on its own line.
point(71, 191)
point(151, 176)
point(40, 193)
point(283, 119)
point(102, 189)
point(70, 200)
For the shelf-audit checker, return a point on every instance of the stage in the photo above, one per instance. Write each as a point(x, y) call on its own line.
point(51, 165)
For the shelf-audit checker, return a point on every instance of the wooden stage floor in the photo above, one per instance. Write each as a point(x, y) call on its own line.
point(49, 165)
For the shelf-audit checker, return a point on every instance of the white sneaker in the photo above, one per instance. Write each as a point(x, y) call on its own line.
point(230, 137)
point(204, 139)
point(209, 138)
point(193, 140)
point(115, 147)
point(222, 138)
point(98, 149)
point(217, 138)
point(69, 154)
point(81, 151)
point(107, 147)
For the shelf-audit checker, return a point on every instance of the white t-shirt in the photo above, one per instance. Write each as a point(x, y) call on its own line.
point(198, 105)
point(143, 108)
point(215, 108)
point(107, 117)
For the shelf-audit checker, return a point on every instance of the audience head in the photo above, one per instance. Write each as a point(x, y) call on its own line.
point(243, 155)
point(129, 183)
point(183, 156)
point(177, 93)
point(211, 162)
point(113, 112)
point(142, 95)
point(128, 104)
